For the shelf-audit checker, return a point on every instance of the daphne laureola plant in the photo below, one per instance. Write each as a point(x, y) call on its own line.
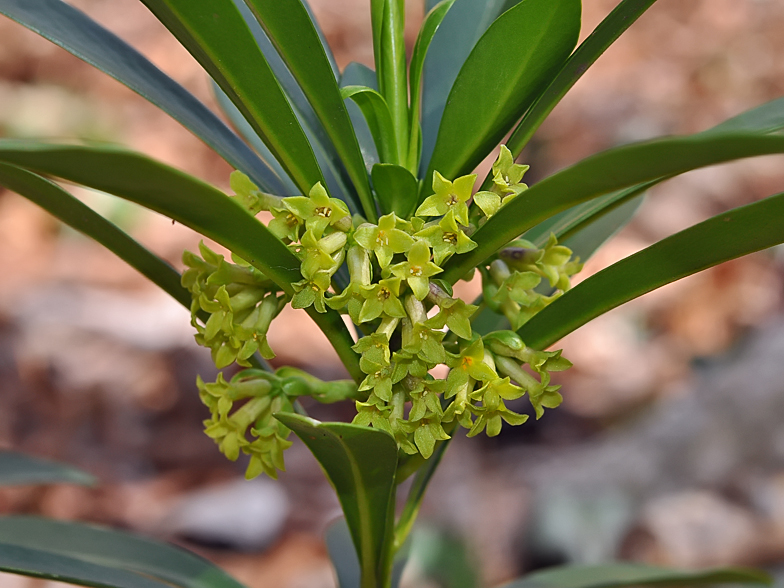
point(372, 210)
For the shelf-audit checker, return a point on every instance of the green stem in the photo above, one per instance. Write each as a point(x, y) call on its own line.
point(417, 493)
point(394, 86)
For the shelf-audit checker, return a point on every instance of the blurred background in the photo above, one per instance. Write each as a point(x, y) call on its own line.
point(668, 449)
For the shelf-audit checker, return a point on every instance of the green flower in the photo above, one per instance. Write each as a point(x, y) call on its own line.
point(385, 239)
point(317, 253)
point(381, 298)
point(449, 196)
point(446, 238)
point(371, 414)
point(318, 210)
point(379, 379)
point(426, 434)
point(375, 351)
point(425, 400)
point(417, 269)
point(405, 363)
point(472, 363)
point(455, 314)
point(547, 398)
point(286, 225)
point(507, 174)
point(424, 342)
point(311, 291)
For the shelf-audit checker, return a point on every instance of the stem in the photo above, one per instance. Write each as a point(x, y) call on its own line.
point(411, 509)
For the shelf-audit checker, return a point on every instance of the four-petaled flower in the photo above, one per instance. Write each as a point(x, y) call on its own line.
point(384, 239)
point(417, 269)
point(381, 298)
point(317, 209)
point(449, 196)
point(446, 238)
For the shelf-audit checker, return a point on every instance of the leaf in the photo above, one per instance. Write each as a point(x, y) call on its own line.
point(84, 219)
point(604, 35)
point(605, 172)
point(466, 21)
point(432, 21)
point(76, 33)
point(186, 200)
point(214, 32)
point(500, 79)
point(356, 74)
point(342, 554)
point(114, 549)
point(17, 469)
point(396, 188)
point(388, 20)
point(360, 463)
point(337, 183)
point(723, 237)
point(289, 27)
point(33, 562)
point(628, 574)
point(378, 118)
point(766, 118)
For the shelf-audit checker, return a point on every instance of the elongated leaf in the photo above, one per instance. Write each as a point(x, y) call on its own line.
point(378, 118)
point(726, 236)
point(519, 53)
point(333, 64)
point(337, 182)
point(342, 554)
point(18, 469)
point(214, 32)
point(396, 188)
point(114, 549)
point(289, 27)
point(608, 31)
point(766, 118)
point(467, 20)
point(602, 226)
point(360, 463)
point(76, 33)
point(619, 575)
point(184, 199)
point(81, 217)
point(603, 173)
point(37, 563)
point(356, 74)
point(433, 20)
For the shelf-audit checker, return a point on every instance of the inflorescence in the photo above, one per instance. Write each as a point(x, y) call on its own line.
point(409, 320)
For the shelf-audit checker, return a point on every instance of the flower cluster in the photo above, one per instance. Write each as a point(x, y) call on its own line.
point(409, 321)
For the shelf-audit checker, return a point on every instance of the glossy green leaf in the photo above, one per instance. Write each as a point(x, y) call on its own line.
point(289, 27)
point(467, 20)
point(18, 469)
point(619, 575)
point(360, 463)
point(378, 118)
point(766, 118)
point(114, 549)
point(726, 236)
point(340, 547)
point(337, 181)
point(214, 32)
point(184, 199)
point(519, 53)
point(356, 74)
point(76, 33)
point(27, 561)
point(604, 35)
point(81, 217)
point(396, 188)
point(389, 47)
point(603, 173)
point(432, 21)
